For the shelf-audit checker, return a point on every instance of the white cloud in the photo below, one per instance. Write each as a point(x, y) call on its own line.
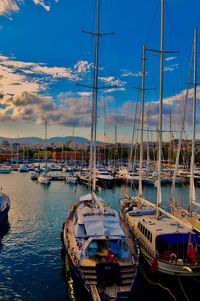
point(170, 68)
point(12, 6)
point(127, 73)
point(174, 104)
point(43, 4)
point(170, 58)
point(87, 94)
point(112, 81)
point(18, 76)
point(9, 6)
point(82, 66)
point(14, 83)
point(55, 72)
point(114, 90)
point(22, 88)
point(73, 110)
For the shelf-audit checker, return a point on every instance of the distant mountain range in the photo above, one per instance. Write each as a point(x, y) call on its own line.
point(35, 140)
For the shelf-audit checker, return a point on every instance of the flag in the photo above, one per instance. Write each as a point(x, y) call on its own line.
point(191, 252)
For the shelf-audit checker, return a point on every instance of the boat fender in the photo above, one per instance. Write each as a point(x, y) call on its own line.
point(173, 257)
point(183, 214)
point(154, 266)
point(187, 269)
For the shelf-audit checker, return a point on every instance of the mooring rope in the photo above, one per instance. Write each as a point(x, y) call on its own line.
point(183, 291)
point(157, 283)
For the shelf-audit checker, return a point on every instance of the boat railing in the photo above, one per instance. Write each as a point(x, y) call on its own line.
point(169, 257)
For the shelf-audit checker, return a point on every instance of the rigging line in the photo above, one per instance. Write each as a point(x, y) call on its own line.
point(172, 34)
point(105, 116)
point(195, 279)
point(156, 283)
point(183, 291)
point(153, 22)
point(133, 131)
point(182, 130)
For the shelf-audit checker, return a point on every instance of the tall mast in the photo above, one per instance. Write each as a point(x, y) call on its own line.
point(192, 190)
point(148, 142)
point(45, 153)
point(159, 197)
point(95, 92)
point(115, 148)
point(142, 117)
point(170, 158)
point(95, 88)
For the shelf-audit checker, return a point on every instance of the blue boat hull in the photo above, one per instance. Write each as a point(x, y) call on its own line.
point(4, 215)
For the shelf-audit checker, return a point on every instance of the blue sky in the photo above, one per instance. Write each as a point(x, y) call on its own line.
point(44, 54)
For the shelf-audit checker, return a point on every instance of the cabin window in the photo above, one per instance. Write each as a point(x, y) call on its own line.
point(167, 245)
point(139, 226)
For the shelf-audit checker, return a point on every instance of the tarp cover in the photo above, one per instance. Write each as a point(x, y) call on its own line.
point(103, 228)
point(176, 238)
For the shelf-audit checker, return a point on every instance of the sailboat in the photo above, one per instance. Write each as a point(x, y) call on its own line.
point(94, 239)
point(168, 245)
point(188, 215)
point(43, 178)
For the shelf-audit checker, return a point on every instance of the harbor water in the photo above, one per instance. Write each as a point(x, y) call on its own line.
point(32, 265)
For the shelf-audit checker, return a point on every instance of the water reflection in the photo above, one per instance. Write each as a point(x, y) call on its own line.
point(74, 286)
point(30, 264)
point(4, 230)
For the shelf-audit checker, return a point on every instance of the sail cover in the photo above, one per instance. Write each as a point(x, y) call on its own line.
point(100, 226)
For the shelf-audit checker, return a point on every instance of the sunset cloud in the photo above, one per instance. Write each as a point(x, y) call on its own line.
point(73, 110)
point(8, 6)
point(18, 76)
point(13, 6)
point(175, 105)
point(83, 66)
point(43, 4)
point(172, 105)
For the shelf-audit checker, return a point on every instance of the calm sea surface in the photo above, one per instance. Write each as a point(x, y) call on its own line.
point(31, 265)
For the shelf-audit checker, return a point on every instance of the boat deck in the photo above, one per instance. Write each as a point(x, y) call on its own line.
point(183, 214)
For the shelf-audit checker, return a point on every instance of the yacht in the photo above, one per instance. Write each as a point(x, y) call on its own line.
point(98, 250)
point(4, 169)
point(43, 178)
point(104, 177)
point(167, 245)
point(93, 235)
point(23, 168)
point(71, 178)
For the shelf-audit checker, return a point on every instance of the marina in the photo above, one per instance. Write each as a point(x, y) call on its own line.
point(106, 206)
point(31, 264)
